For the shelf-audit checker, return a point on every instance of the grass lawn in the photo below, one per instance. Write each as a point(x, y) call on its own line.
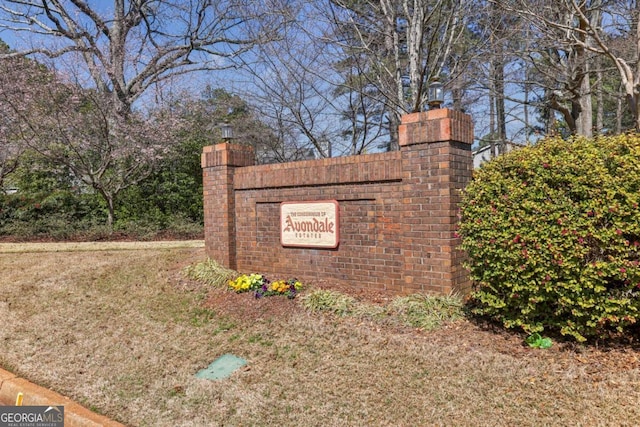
point(123, 332)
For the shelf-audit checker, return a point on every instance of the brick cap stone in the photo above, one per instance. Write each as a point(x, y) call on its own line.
point(435, 126)
point(227, 154)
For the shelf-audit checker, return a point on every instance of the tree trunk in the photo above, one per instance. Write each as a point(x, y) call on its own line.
point(108, 198)
point(527, 126)
point(110, 212)
point(599, 97)
point(584, 121)
point(619, 103)
point(394, 122)
point(497, 76)
point(636, 108)
point(456, 93)
point(501, 119)
point(492, 119)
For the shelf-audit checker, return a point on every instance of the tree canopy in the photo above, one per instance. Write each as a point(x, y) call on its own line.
point(111, 92)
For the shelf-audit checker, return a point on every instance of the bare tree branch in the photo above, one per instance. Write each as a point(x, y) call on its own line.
point(170, 37)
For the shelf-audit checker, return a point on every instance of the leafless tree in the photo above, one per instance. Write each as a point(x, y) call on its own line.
point(287, 84)
point(398, 47)
point(298, 86)
point(108, 56)
point(19, 78)
point(577, 40)
point(128, 46)
point(72, 127)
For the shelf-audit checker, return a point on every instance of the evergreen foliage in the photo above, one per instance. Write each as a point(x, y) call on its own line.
point(48, 203)
point(553, 236)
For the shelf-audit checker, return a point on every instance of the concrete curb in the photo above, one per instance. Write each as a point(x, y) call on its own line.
point(75, 415)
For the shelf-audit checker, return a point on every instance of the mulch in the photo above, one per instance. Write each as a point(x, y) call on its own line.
point(246, 306)
point(595, 359)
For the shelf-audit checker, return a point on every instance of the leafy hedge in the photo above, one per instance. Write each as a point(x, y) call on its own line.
point(553, 236)
point(58, 214)
point(51, 204)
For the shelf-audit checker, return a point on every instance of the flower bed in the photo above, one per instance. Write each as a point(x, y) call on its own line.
point(263, 287)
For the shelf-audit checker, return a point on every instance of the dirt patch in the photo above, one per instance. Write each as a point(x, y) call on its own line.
point(246, 306)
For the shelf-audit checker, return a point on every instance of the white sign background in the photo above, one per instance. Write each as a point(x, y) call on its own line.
point(310, 224)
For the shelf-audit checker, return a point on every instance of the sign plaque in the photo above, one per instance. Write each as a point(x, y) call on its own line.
point(310, 224)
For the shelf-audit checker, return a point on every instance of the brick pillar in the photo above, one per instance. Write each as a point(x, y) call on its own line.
point(437, 164)
point(218, 167)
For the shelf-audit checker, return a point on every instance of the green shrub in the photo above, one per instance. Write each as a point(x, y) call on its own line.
point(553, 236)
point(179, 225)
point(57, 214)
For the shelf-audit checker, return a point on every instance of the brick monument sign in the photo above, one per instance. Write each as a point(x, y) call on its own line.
point(385, 221)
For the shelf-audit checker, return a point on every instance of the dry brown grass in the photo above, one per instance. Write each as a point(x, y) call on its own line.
point(96, 246)
point(121, 332)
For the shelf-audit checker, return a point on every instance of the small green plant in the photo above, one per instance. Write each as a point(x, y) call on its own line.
point(426, 311)
point(536, 341)
point(418, 310)
point(210, 272)
point(329, 301)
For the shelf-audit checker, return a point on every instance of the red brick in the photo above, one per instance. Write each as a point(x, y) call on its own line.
point(398, 210)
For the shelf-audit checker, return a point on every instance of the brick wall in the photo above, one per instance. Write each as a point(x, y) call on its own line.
point(398, 210)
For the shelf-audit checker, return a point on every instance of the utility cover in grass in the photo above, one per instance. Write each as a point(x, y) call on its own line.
point(222, 367)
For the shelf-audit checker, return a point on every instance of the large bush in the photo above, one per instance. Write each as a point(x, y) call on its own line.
point(51, 204)
point(48, 204)
point(553, 236)
point(60, 214)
